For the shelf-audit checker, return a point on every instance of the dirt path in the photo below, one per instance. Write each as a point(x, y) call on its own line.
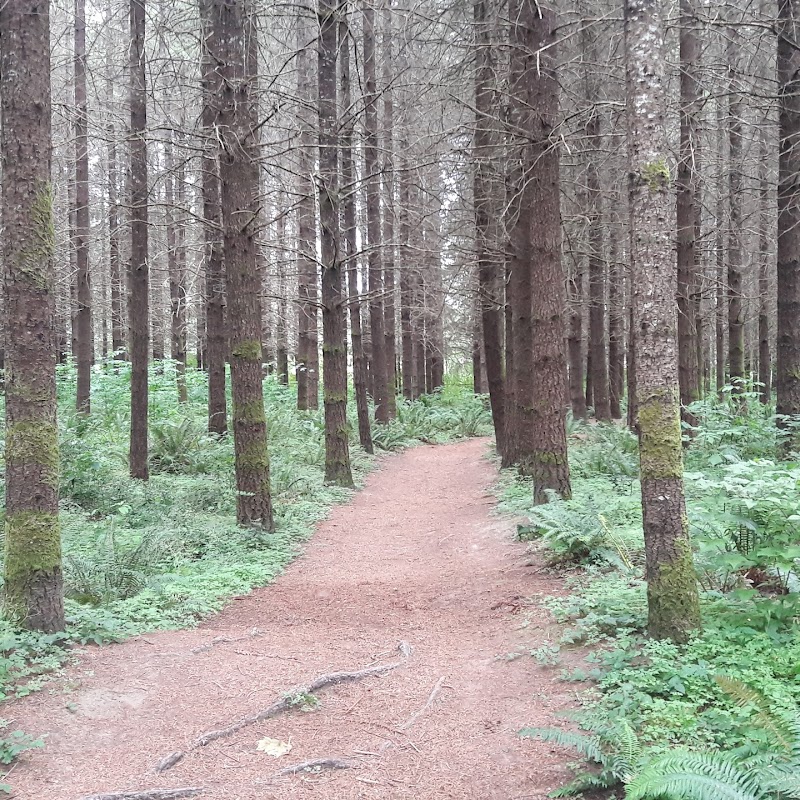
point(415, 557)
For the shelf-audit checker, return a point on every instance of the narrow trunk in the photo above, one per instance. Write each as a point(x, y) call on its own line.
point(764, 262)
point(84, 291)
point(216, 345)
point(616, 319)
point(334, 325)
point(117, 298)
point(372, 170)
point(787, 378)
point(33, 584)
point(351, 260)
point(575, 341)
point(138, 274)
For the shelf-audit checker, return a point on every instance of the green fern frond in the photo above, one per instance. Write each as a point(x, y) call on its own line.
point(586, 782)
point(629, 750)
point(770, 720)
point(695, 776)
point(588, 746)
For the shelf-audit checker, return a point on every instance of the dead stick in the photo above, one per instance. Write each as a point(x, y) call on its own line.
point(284, 704)
point(416, 715)
point(317, 763)
point(148, 794)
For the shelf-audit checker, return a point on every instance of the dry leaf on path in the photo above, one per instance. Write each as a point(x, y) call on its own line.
point(274, 747)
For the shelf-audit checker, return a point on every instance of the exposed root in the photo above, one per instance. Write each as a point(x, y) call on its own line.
point(148, 794)
point(284, 704)
point(316, 764)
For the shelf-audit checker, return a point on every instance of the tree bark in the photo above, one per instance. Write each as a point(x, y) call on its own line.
point(216, 346)
point(307, 367)
point(373, 211)
point(138, 275)
point(688, 207)
point(787, 378)
point(549, 463)
point(239, 189)
point(673, 607)
point(764, 282)
point(616, 319)
point(33, 584)
point(334, 326)
point(83, 277)
point(350, 258)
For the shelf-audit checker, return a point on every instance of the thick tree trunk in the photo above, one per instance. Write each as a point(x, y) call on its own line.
point(671, 585)
point(688, 208)
point(83, 277)
point(373, 211)
point(787, 378)
point(239, 185)
point(216, 344)
point(138, 274)
point(351, 260)
point(549, 464)
point(33, 588)
point(735, 200)
point(334, 326)
point(307, 367)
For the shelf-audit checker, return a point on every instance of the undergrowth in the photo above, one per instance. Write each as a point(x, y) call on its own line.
point(161, 554)
point(655, 709)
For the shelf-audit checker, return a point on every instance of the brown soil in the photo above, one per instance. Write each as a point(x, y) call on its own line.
point(415, 557)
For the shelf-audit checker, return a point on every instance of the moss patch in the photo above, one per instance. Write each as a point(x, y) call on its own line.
point(672, 597)
point(660, 444)
point(34, 443)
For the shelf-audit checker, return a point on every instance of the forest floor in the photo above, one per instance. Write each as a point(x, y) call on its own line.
point(416, 557)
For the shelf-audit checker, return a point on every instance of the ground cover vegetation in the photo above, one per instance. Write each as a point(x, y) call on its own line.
point(714, 717)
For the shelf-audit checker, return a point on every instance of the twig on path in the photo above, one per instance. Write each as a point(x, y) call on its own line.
point(224, 640)
point(317, 763)
point(148, 794)
point(285, 703)
point(416, 715)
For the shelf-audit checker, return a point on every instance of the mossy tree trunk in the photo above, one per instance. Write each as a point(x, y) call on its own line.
point(334, 326)
point(673, 610)
point(138, 272)
point(549, 464)
point(33, 587)
point(787, 378)
point(349, 241)
point(215, 337)
point(239, 189)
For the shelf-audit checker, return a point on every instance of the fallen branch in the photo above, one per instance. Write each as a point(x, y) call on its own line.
point(317, 763)
point(148, 794)
point(203, 648)
point(285, 703)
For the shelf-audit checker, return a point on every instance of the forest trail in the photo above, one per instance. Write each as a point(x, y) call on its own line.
point(414, 557)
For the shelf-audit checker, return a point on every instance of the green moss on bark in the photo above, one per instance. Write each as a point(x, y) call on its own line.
point(672, 597)
point(248, 349)
point(34, 260)
point(34, 443)
point(660, 445)
point(251, 412)
point(254, 457)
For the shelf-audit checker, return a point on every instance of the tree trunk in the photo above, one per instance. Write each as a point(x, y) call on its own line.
point(389, 312)
point(764, 349)
point(673, 608)
point(549, 464)
point(83, 276)
point(719, 252)
point(406, 284)
point(117, 298)
point(688, 209)
point(239, 189)
point(351, 260)
point(281, 325)
point(787, 378)
point(575, 341)
point(138, 275)
point(176, 238)
point(334, 325)
point(307, 366)
point(735, 199)
point(216, 345)
point(616, 319)
point(33, 588)
point(373, 210)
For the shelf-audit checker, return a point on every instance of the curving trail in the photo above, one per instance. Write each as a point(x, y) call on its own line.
point(415, 556)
